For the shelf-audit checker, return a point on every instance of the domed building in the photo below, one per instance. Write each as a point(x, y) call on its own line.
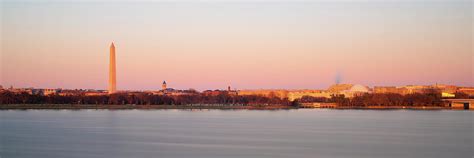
point(163, 86)
point(356, 90)
point(359, 88)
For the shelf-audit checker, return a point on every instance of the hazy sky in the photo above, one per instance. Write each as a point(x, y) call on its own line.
point(210, 44)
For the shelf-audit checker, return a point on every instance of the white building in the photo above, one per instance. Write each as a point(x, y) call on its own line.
point(356, 90)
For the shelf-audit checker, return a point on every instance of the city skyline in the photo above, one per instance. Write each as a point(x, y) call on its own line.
point(236, 78)
point(273, 46)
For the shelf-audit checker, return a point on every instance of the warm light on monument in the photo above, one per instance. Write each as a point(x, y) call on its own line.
point(112, 74)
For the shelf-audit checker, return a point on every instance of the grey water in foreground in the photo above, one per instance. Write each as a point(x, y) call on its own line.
point(305, 133)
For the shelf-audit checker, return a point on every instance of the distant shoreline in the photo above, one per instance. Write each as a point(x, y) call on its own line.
point(223, 107)
point(118, 107)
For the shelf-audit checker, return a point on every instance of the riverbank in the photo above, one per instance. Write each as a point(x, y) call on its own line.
point(399, 107)
point(76, 106)
point(207, 106)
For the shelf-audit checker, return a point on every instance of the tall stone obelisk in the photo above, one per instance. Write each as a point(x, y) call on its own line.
point(112, 75)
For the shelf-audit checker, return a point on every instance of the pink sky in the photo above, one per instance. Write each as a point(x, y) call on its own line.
point(246, 45)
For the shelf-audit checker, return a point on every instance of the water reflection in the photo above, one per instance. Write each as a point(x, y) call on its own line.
point(235, 133)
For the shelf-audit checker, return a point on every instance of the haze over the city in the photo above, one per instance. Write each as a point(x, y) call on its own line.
point(242, 43)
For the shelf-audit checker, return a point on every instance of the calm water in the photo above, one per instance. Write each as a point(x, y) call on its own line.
point(242, 133)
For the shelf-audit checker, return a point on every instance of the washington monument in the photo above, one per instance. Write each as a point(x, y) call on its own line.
point(112, 75)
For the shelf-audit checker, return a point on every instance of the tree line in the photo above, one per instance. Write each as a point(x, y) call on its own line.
point(428, 97)
point(7, 97)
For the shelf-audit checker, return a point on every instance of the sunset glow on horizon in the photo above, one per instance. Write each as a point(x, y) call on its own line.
point(244, 44)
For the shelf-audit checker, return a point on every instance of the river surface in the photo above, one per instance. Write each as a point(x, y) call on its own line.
point(303, 133)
